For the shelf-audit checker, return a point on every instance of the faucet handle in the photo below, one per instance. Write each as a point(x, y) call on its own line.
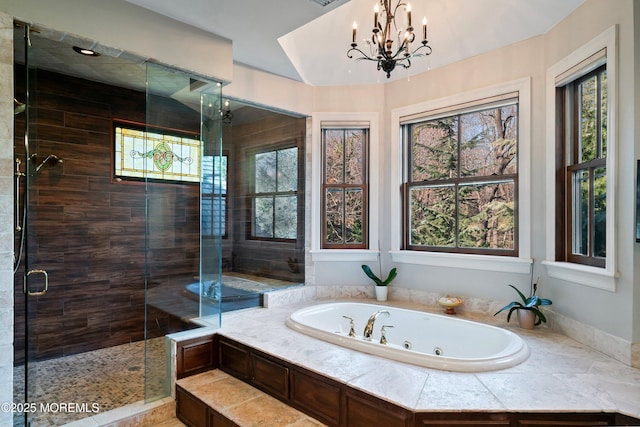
point(352, 328)
point(383, 338)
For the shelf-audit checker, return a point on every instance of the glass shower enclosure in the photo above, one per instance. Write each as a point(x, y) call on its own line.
point(118, 203)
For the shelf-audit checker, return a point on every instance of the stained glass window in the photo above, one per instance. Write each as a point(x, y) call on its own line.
point(156, 155)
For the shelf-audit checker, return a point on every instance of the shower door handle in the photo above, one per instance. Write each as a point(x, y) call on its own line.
point(27, 289)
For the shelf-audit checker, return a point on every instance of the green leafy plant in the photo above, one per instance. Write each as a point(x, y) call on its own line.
point(531, 303)
point(379, 282)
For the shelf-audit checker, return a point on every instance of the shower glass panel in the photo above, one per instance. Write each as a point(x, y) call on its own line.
point(213, 197)
point(176, 154)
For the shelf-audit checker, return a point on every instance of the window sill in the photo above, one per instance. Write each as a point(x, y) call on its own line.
point(582, 274)
point(330, 255)
point(466, 261)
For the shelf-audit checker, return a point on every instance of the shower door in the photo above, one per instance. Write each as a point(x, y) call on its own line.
point(31, 275)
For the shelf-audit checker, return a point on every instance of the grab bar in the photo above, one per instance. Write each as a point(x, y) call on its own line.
point(17, 197)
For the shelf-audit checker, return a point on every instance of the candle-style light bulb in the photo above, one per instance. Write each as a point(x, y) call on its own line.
point(409, 13)
point(376, 11)
point(355, 27)
point(424, 28)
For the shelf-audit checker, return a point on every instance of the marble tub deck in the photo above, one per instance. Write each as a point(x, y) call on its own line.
point(561, 375)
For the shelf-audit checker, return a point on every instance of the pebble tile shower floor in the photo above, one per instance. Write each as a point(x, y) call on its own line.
point(111, 377)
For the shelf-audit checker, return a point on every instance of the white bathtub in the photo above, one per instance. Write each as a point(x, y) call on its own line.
point(424, 339)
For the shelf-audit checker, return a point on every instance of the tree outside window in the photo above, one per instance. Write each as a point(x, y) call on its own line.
point(585, 174)
point(275, 198)
point(344, 188)
point(461, 182)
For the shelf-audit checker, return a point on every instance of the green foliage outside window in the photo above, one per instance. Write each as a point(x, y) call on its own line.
point(462, 186)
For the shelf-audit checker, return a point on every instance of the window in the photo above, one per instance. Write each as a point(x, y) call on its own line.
point(156, 154)
point(274, 200)
point(461, 180)
point(583, 145)
point(344, 188)
point(214, 195)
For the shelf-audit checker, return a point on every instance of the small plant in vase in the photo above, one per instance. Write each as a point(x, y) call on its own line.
point(381, 285)
point(529, 315)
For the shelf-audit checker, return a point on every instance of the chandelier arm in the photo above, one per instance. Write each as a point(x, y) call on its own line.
point(364, 55)
point(401, 62)
point(423, 46)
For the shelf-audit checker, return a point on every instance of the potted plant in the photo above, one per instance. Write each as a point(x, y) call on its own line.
point(381, 285)
point(529, 315)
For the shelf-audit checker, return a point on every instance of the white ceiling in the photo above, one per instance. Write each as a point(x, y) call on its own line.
point(302, 40)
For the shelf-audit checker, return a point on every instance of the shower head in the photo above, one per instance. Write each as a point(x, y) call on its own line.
point(18, 107)
point(51, 158)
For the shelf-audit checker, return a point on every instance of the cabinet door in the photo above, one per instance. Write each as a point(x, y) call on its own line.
point(558, 423)
point(194, 356)
point(234, 359)
point(563, 419)
point(217, 420)
point(363, 410)
point(190, 410)
point(459, 423)
point(270, 376)
point(315, 396)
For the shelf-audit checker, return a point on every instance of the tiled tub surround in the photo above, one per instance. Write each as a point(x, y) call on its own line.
point(560, 375)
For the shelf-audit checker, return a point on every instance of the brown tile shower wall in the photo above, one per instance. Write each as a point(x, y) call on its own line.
point(89, 230)
point(278, 260)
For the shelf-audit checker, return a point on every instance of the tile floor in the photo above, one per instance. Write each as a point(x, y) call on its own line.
point(110, 377)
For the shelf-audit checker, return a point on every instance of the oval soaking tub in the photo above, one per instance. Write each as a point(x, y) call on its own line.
point(424, 339)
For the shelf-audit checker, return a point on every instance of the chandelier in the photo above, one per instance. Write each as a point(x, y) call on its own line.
point(385, 30)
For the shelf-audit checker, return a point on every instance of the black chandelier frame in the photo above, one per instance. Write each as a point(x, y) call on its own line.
point(383, 53)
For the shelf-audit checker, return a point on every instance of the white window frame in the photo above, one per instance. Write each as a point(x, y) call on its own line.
point(568, 69)
point(363, 120)
point(520, 264)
